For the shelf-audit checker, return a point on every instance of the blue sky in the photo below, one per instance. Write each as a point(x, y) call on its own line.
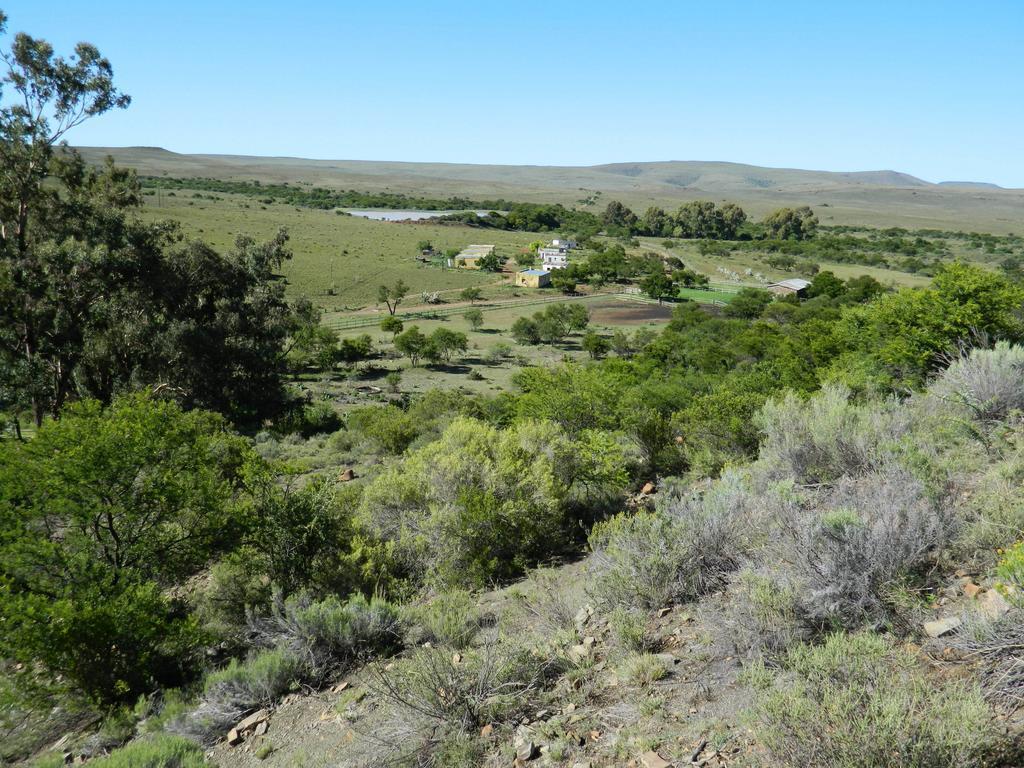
point(930, 88)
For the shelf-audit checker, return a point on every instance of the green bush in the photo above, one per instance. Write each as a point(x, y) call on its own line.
point(101, 512)
point(157, 751)
point(235, 586)
point(328, 635)
point(256, 682)
point(859, 702)
point(449, 619)
point(481, 504)
point(389, 427)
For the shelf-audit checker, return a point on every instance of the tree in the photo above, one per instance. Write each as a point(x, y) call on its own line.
point(826, 284)
point(790, 224)
point(690, 279)
point(92, 300)
point(563, 281)
point(52, 95)
point(475, 318)
point(655, 222)
point(391, 324)
point(102, 512)
point(490, 262)
point(471, 294)
point(698, 219)
point(525, 331)
point(749, 303)
point(595, 344)
point(444, 343)
point(618, 216)
point(392, 295)
point(658, 285)
point(732, 218)
point(412, 343)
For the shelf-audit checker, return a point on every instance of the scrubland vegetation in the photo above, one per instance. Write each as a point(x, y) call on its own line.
point(784, 531)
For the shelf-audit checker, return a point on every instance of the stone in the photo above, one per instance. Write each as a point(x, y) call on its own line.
point(993, 605)
point(340, 687)
point(252, 720)
point(648, 489)
point(584, 614)
point(261, 728)
point(662, 612)
point(653, 760)
point(589, 641)
point(579, 652)
point(941, 627)
point(526, 750)
point(234, 737)
point(972, 590)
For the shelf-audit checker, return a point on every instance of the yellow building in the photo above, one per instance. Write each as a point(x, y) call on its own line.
point(533, 278)
point(469, 257)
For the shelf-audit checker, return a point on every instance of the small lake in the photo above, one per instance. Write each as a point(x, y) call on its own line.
point(393, 215)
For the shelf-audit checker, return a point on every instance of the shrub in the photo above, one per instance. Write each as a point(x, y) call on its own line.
point(450, 619)
point(481, 504)
point(235, 586)
point(988, 383)
point(545, 597)
point(328, 635)
point(849, 546)
point(391, 428)
point(229, 693)
point(258, 681)
point(767, 614)
point(858, 702)
point(999, 646)
point(308, 419)
point(825, 437)
point(436, 699)
point(680, 552)
point(157, 751)
point(630, 630)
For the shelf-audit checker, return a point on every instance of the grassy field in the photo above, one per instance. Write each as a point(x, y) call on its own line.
point(353, 254)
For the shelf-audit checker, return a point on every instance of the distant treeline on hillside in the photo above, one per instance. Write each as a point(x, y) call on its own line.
point(320, 197)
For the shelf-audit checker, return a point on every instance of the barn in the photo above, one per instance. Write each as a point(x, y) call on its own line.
point(794, 285)
point(533, 278)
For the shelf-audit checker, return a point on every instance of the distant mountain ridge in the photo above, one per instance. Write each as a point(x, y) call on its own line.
point(877, 198)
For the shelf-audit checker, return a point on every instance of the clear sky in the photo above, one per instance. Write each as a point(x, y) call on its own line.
point(929, 87)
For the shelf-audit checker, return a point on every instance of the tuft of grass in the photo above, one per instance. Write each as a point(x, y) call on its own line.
point(644, 669)
point(157, 751)
point(858, 701)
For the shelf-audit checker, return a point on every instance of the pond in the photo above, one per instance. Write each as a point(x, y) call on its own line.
point(393, 215)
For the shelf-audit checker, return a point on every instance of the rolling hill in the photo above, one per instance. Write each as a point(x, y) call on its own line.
point(878, 198)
